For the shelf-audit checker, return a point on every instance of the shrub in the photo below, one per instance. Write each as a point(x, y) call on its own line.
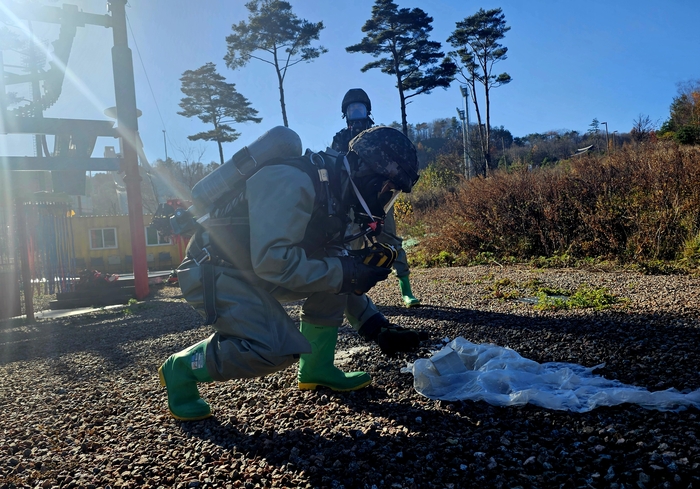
point(689, 134)
point(435, 176)
point(691, 249)
point(638, 204)
point(403, 209)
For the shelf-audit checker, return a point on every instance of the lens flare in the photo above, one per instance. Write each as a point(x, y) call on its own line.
point(69, 75)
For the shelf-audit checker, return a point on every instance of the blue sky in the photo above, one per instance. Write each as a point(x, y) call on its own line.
point(571, 62)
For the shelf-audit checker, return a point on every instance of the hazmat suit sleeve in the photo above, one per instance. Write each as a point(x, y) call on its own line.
point(280, 204)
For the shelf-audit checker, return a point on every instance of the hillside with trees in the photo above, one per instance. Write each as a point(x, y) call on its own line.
point(683, 124)
point(629, 199)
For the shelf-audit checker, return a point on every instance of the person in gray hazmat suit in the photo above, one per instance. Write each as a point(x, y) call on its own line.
point(280, 235)
point(356, 108)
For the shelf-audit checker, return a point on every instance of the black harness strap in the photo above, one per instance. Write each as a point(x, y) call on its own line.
point(209, 292)
point(208, 261)
point(205, 262)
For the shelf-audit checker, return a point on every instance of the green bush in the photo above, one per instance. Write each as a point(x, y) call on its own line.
point(689, 134)
point(691, 249)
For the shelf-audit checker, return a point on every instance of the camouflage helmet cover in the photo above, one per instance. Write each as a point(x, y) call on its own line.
point(389, 153)
point(356, 95)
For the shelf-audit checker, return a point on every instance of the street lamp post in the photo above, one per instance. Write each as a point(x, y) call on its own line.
point(606, 136)
point(613, 138)
point(460, 114)
point(465, 131)
point(165, 143)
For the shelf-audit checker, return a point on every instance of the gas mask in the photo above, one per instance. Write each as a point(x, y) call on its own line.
point(375, 196)
point(378, 192)
point(358, 118)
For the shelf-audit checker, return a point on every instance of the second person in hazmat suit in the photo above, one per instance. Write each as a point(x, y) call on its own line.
point(283, 238)
point(356, 108)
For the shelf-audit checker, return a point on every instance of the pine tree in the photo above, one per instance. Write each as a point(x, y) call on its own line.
point(277, 37)
point(477, 47)
point(401, 36)
point(214, 101)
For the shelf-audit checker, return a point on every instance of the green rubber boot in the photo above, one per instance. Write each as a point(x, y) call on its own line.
point(406, 293)
point(316, 368)
point(179, 374)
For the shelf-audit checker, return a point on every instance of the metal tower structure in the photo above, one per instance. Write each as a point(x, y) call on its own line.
point(81, 134)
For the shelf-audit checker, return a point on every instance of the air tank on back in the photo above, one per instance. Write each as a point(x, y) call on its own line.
point(278, 142)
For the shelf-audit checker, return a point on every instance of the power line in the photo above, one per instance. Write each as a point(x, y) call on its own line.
point(138, 51)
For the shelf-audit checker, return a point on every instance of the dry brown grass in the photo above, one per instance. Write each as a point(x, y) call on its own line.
point(637, 204)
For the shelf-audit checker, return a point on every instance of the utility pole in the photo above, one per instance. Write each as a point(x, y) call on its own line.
point(606, 136)
point(165, 143)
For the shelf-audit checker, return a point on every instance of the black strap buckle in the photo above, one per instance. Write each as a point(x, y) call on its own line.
point(203, 257)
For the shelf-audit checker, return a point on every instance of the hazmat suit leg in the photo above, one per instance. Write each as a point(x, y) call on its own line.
point(400, 265)
point(322, 315)
point(253, 336)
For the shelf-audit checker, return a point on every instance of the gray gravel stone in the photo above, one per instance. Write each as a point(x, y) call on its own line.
point(82, 406)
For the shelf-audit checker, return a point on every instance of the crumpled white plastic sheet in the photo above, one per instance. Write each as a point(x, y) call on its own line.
point(500, 376)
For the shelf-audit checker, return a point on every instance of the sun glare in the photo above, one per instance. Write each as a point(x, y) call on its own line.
point(6, 195)
point(70, 76)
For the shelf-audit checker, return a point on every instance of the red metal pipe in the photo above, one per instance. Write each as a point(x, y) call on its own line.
point(125, 98)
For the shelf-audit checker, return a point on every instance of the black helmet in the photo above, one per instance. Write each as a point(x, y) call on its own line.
point(356, 95)
point(388, 152)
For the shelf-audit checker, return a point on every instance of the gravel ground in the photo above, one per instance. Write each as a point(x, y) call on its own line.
point(82, 406)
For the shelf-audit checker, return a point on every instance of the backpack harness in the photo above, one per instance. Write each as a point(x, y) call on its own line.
point(326, 186)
